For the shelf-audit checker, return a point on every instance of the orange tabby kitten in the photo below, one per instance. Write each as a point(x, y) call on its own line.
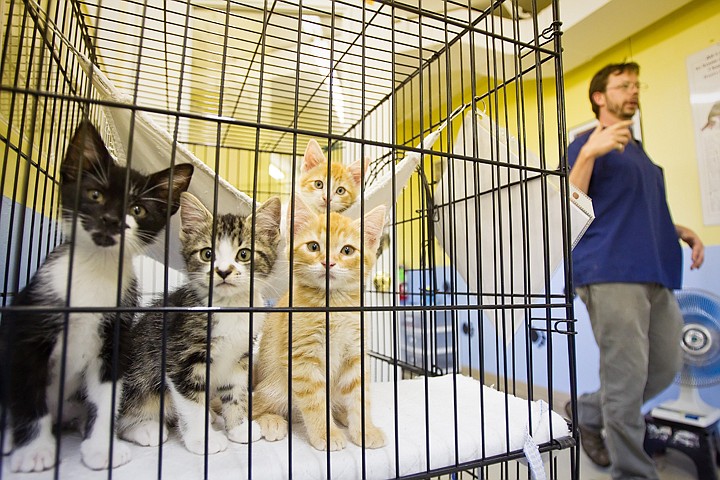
point(345, 181)
point(312, 264)
point(312, 188)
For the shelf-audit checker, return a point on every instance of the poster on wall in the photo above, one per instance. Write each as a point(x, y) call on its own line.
point(704, 81)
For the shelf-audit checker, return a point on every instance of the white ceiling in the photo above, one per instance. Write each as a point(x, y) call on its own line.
point(592, 26)
point(260, 61)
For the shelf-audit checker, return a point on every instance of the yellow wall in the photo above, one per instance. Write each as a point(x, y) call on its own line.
point(667, 128)
point(238, 168)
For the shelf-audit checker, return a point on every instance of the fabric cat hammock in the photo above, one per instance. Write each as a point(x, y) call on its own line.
point(135, 135)
point(503, 232)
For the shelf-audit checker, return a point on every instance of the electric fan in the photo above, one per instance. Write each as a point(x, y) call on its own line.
point(701, 360)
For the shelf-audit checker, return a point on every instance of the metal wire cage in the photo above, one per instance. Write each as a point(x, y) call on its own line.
point(456, 108)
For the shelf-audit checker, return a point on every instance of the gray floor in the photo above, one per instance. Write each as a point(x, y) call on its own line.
point(672, 466)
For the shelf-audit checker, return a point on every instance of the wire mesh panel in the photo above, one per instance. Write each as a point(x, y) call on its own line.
point(447, 118)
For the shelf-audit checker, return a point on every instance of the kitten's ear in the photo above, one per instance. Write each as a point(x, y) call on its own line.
point(267, 218)
point(313, 156)
point(193, 215)
point(373, 227)
point(86, 151)
point(302, 216)
point(357, 171)
point(181, 176)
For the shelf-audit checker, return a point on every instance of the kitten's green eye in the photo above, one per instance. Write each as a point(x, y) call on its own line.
point(95, 196)
point(318, 184)
point(348, 250)
point(340, 190)
point(206, 254)
point(138, 211)
point(244, 255)
point(313, 246)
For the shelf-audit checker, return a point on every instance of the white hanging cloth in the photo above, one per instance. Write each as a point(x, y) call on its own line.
point(493, 223)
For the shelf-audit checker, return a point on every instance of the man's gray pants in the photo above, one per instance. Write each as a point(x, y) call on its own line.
point(637, 328)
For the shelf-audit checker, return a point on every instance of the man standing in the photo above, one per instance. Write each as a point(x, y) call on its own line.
point(626, 267)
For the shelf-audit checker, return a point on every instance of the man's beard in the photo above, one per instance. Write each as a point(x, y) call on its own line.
point(622, 110)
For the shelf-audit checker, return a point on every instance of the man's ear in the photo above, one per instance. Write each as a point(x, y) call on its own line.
point(599, 98)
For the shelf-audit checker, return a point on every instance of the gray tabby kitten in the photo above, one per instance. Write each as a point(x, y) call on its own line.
point(185, 381)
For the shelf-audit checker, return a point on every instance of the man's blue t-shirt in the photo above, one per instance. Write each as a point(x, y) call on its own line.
point(632, 238)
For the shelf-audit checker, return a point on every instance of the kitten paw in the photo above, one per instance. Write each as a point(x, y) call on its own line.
point(145, 433)
point(37, 456)
point(95, 454)
point(216, 442)
point(273, 427)
point(337, 439)
point(239, 434)
point(374, 437)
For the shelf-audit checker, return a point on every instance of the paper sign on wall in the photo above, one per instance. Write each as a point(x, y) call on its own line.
point(704, 81)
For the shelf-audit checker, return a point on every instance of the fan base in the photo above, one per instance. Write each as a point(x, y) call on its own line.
point(697, 415)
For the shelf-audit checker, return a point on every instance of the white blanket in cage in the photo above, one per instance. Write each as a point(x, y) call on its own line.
point(449, 428)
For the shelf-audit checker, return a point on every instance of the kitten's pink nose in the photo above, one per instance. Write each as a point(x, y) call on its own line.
point(332, 264)
point(223, 273)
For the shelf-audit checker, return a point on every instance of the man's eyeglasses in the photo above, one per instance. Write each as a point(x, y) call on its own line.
point(627, 86)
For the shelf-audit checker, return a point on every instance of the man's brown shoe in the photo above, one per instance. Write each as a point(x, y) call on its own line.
point(592, 442)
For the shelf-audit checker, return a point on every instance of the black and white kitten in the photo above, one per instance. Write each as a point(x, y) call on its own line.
point(31, 342)
point(231, 255)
